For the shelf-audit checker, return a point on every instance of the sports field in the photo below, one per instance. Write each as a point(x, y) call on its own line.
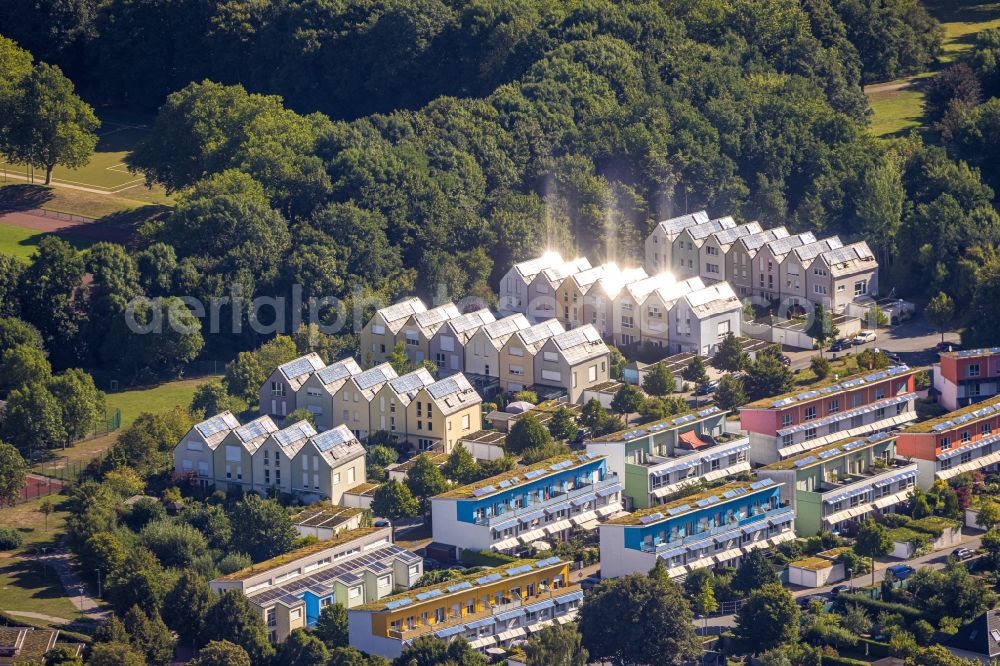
point(106, 173)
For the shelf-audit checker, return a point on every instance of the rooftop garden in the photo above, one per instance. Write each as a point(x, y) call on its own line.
point(635, 518)
point(767, 403)
point(467, 491)
point(311, 549)
point(928, 426)
point(812, 563)
point(668, 421)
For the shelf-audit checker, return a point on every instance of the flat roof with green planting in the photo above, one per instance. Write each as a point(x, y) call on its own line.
point(311, 549)
point(812, 563)
point(968, 414)
point(689, 504)
point(829, 452)
point(460, 584)
point(324, 514)
point(367, 488)
point(669, 423)
point(822, 389)
point(520, 476)
point(436, 458)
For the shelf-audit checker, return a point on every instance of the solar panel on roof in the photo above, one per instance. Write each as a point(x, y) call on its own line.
point(338, 371)
point(399, 603)
point(430, 594)
point(449, 386)
point(491, 578)
point(294, 433)
point(534, 473)
point(479, 492)
point(464, 585)
point(651, 518)
point(298, 367)
point(805, 461)
point(506, 326)
point(541, 331)
point(330, 439)
point(826, 454)
point(216, 424)
point(377, 375)
point(256, 428)
point(412, 381)
point(763, 483)
point(524, 568)
point(784, 401)
point(678, 509)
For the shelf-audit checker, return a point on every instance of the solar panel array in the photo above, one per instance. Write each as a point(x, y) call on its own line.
point(301, 366)
point(435, 316)
point(851, 383)
point(402, 309)
point(256, 428)
point(412, 381)
point(449, 386)
point(294, 433)
point(541, 331)
point(506, 326)
point(472, 320)
point(756, 241)
point(986, 410)
point(785, 245)
point(977, 352)
point(843, 255)
point(339, 371)
point(216, 424)
point(377, 375)
point(577, 336)
point(813, 250)
point(678, 224)
point(706, 229)
point(331, 439)
point(729, 236)
point(534, 474)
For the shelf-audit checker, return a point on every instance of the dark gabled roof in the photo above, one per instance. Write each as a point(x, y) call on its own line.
point(981, 636)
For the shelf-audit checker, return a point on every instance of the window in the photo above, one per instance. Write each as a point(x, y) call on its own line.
point(820, 272)
point(350, 475)
point(194, 445)
point(712, 251)
point(861, 287)
point(786, 420)
point(819, 289)
point(466, 422)
point(966, 456)
point(712, 268)
point(972, 370)
point(552, 357)
point(384, 581)
point(786, 440)
point(277, 389)
point(336, 478)
point(987, 428)
point(965, 435)
point(810, 413)
point(945, 443)
point(946, 463)
point(592, 373)
point(626, 321)
point(810, 433)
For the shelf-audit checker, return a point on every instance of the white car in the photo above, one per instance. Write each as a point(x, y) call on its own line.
point(864, 337)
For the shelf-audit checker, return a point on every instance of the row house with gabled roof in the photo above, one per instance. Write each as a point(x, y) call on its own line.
point(714, 249)
point(275, 455)
point(599, 303)
point(194, 456)
point(352, 402)
point(421, 327)
point(839, 276)
point(575, 361)
point(234, 455)
point(795, 269)
point(380, 334)
point(702, 318)
point(279, 391)
point(741, 256)
point(317, 394)
point(517, 356)
point(542, 290)
point(482, 351)
point(660, 242)
point(658, 305)
point(766, 268)
point(514, 284)
point(390, 402)
point(686, 253)
point(571, 295)
point(448, 346)
point(443, 412)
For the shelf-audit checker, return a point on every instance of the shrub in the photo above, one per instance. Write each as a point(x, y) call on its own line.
point(876, 606)
point(10, 538)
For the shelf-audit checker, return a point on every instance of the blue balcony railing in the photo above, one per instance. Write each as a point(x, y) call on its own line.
point(609, 479)
point(713, 531)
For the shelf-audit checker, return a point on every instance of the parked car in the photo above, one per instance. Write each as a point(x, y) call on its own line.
point(430, 564)
point(892, 356)
point(707, 388)
point(590, 582)
point(382, 523)
point(864, 337)
point(962, 553)
point(901, 571)
point(839, 589)
point(581, 435)
point(822, 598)
point(840, 345)
point(786, 359)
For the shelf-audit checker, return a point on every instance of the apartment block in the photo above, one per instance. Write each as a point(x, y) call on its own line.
point(838, 409)
point(686, 252)
point(517, 356)
point(660, 458)
point(482, 351)
point(740, 258)
point(442, 413)
point(702, 318)
point(379, 336)
point(574, 361)
point(961, 441)
point(278, 395)
point(966, 377)
point(355, 567)
point(836, 487)
point(448, 346)
point(418, 330)
point(714, 250)
point(514, 284)
point(549, 500)
point(194, 456)
point(317, 393)
point(542, 289)
point(491, 608)
point(714, 528)
point(660, 243)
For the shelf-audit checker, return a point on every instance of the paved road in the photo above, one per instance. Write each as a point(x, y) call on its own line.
point(935, 560)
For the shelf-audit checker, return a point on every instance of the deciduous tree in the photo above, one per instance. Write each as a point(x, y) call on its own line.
point(768, 619)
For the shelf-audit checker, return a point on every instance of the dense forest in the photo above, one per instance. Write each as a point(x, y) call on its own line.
point(363, 148)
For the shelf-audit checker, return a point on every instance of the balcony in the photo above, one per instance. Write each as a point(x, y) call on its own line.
point(610, 479)
point(763, 516)
point(457, 623)
point(858, 491)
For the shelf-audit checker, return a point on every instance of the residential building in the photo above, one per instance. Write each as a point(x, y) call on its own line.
point(21, 646)
point(702, 318)
point(795, 270)
point(417, 332)
point(660, 243)
point(714, 250)
point(317, 393)
point(599, 305)
point(352, 401)
point(272, 461)
point(686, 253)
point(966, 377)
point(489, 608)
point(839, 276)
point(388, 406)
point(573, 361)
point(353, 568)
point(325, 521)
point(514, 285)
point(442, 413)
point(327, 465)
point(194, 455)
point(549, 500)
point(448, 346)
point(233, 457)
point(658, 459)
point(835, 487)
point(542, 289)
point(832, 411)
point(278, 393)
point(964, 440)
point(627, 307)
point(713, 528)
point(740, 258)
point(572, 293)
point(657, 306)
point(379, 336)
point(979, 640)
point(766, 266)
point(517, 356)
point(482, 351)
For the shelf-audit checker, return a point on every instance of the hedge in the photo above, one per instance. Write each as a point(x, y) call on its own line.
point(843, 661)
point(933, 525)
point(485, 558)
point(875, 648)
point(875, 606)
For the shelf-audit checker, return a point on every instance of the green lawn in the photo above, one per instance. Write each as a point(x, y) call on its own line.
point(156, 399)
point(20, 242)
point(30, 522)
point(27, 586)
point(896, 112)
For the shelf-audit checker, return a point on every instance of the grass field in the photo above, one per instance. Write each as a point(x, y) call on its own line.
point(899, 111)
point(20, 242)
point(28, 586)
point(30, 522)
point(106, 173)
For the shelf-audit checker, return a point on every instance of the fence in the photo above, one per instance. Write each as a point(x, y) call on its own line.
point(37, 486)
